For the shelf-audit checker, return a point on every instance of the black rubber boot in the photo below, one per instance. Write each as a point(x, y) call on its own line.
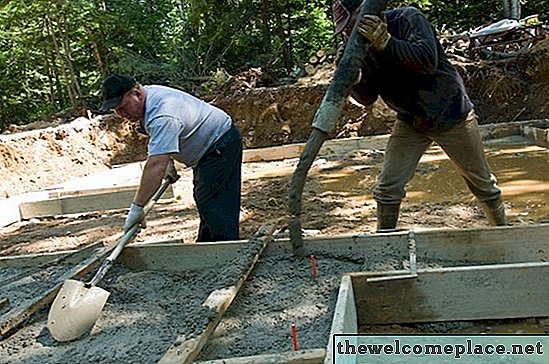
point(495, 212)
point(387, 217)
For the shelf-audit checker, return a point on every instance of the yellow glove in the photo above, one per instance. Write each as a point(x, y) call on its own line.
point(374, 29)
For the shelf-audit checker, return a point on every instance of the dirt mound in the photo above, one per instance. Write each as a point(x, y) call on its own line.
point(511, 89)
point(503, 91)
point(36, 159)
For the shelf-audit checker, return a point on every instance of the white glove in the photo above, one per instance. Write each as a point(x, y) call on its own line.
point(136, 215)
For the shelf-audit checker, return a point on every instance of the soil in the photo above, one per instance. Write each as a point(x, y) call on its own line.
point(38, 158)
point(336, 200)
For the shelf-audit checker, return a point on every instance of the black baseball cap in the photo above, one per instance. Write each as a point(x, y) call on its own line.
point(114, 88)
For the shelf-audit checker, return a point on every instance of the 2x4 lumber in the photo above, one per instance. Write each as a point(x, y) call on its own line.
point(330, 147)
point(113, 198)
point(313, 356)
point(345, 315)
point(498, 291)
point(172, 256)
point(509, 244)
point(185, 350)
point(377, 142)
point(32, 260)
point(502, 130)
point(540, 136)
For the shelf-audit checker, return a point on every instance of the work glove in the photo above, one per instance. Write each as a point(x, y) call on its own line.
point(374, 29)
point(136, 215)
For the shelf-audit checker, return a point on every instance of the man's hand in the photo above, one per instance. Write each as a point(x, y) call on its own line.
point(136, 215)
point(374, 29)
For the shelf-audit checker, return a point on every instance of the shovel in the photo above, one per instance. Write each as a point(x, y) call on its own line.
point(77, 305)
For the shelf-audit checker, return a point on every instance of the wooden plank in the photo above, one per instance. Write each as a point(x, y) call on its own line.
point(502, 130)
point(185, 350)
point(30, 260)
point(313, 356)
point(508, 244)
point(272, 153)
point(71, 193)
point(497, 291)
point(116, 198)
point(448, 247)
point(378, 142)
point(173, 255)
point(345, 315)
point(28, 210)
point(538, 135)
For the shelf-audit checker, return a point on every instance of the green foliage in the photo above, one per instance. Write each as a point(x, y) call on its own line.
point(54, 54)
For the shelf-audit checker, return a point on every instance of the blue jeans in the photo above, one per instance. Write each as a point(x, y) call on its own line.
point(216, 190)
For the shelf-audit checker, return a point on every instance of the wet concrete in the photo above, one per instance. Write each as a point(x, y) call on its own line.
point(145, 313)
point(522, 171)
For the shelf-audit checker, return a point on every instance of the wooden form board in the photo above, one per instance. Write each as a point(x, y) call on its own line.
point(345, 318)
point(496, 291)
point(491, 245)
point(378, 142)
point(185, 350)
point(502, 130)
point(313, 356)
point(539, 135)
point(83, 201)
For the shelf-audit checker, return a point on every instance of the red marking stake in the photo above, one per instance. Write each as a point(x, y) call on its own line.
point(313, 264)
point(294, 338)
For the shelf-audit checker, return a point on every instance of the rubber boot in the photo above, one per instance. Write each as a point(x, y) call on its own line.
point(387, 217)
point(495, 212)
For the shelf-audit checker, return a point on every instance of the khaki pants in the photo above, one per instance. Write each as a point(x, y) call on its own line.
point(462, 144)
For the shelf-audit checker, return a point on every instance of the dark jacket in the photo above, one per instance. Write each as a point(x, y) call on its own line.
point(414, 76)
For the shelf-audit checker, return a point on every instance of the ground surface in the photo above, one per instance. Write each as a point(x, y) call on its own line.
point(336, 203)
point(337, 197)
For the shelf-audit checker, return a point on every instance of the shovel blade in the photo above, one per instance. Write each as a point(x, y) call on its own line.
point(75, 310)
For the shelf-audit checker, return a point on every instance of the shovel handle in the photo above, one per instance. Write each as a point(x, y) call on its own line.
point(129, 235)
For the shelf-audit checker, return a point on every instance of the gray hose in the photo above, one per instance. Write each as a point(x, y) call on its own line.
point(325, 118)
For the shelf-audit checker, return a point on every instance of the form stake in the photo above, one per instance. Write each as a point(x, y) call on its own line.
point(294, 338)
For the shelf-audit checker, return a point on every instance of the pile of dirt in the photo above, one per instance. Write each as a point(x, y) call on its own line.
point(503, 91)
point(511, 89)
point(40, 158)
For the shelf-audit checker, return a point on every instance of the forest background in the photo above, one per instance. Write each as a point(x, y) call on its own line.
point(54, 53)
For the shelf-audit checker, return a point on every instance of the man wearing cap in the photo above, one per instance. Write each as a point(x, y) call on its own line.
point(191, 131)
point(407, 67)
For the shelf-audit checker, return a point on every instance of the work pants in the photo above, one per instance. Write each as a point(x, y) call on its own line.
point(463, 145)
point(216, 190)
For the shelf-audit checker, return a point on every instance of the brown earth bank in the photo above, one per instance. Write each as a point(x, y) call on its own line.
point(44, 154)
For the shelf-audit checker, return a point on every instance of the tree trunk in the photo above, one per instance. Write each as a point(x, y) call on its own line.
point(51, 33)
point(286, 56)
point(511, 9)
point(74, 83)
point(96, 52)
point(325, 118)
point(265, 15)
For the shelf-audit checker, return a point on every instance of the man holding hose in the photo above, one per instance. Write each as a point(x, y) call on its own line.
point(406, 67)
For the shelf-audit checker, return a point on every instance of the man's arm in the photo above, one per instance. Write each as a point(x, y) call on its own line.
point(415, 47)
point(151, 178)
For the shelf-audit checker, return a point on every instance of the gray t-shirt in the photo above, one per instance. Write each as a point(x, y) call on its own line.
point(182, 124)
